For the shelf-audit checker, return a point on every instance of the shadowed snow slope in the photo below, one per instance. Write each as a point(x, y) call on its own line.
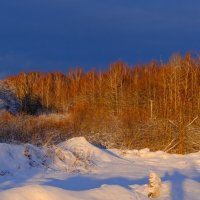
point(75, 169)
point(15, 158)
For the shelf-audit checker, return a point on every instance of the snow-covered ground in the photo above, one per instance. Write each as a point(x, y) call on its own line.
point(77, 170)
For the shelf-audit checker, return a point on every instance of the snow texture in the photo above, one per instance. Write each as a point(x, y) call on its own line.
point(76, 170)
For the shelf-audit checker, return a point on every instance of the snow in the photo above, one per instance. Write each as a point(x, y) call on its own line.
point(154, 185)
point(75, 169)
point(79, 146)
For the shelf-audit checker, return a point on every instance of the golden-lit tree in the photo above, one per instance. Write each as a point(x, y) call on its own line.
point(123, 99)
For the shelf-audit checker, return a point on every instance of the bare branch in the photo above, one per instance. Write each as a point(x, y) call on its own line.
point(192, 121)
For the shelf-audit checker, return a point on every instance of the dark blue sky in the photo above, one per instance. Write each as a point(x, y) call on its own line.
point(58, 34)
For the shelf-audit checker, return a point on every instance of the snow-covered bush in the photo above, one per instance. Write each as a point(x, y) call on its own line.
point(154, 185)
point(8, 99)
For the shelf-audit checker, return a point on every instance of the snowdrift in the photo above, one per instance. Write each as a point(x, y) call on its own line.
point(77, 170)
point(74, 155)
point(15, 158)
point(52, 193)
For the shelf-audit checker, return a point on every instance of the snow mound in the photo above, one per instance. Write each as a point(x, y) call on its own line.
point(35, 192)
point(82, 149)
point(74, 155)
point(67, 161)
point(20, 157)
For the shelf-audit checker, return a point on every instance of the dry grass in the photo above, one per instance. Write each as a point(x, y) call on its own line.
point(38, 130)
point(102, 130)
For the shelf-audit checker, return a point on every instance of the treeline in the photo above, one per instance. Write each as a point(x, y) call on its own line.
point(153, 105)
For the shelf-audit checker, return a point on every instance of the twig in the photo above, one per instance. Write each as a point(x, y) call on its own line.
point(172, 147)
point(169, 144)
point(172, 123)
point(192, 121)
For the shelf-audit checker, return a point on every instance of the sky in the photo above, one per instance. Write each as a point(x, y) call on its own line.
point(55, 35)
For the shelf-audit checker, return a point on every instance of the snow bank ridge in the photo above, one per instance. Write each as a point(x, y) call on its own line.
point(74, 155)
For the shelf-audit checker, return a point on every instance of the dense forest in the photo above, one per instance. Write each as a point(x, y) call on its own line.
point(154, 105)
